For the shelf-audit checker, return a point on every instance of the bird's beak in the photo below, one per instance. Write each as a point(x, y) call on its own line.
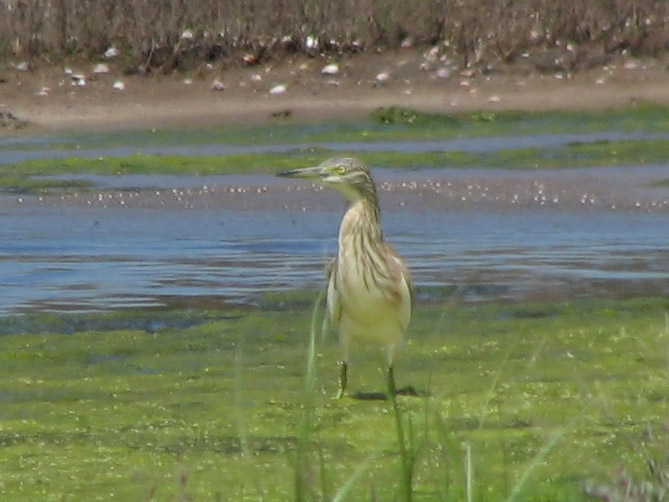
point(315, 172)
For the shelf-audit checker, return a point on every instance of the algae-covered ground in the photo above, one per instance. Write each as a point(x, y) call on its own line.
point(521, 402)
point(384, 124)
point(516, 401)
point(646, 122)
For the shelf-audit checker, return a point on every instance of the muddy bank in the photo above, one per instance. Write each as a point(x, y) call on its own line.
point(608, 189)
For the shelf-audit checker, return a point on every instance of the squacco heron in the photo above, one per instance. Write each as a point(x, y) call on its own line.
point(369, 297)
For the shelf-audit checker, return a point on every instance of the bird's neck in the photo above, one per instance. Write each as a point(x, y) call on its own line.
point(362, 217)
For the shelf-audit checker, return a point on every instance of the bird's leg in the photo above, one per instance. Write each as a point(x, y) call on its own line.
point(391, 382)
point(390, 355)
point(343, 379)
point(343, 364)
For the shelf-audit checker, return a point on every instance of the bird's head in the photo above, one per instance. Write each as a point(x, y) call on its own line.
point(349, 176)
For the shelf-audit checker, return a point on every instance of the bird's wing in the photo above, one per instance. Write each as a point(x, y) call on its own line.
point(334, 304)
point(404, 286)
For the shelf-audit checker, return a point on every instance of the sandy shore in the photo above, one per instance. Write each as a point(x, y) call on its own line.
point(48, 101)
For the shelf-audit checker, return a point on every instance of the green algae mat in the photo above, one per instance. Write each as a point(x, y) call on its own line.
point(517, 402)
point(641, 138)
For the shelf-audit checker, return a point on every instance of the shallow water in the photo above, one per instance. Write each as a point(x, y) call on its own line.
point(144, 241)
point(93, 259)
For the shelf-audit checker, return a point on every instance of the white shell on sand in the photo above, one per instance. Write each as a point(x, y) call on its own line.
point(331, 69)
point(278, 89)
point(112, 52)
point(101, 68)
point(217, 85)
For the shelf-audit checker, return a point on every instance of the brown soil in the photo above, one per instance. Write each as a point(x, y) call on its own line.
point(310, 96)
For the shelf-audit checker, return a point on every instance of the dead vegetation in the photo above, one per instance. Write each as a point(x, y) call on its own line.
point(161, 35)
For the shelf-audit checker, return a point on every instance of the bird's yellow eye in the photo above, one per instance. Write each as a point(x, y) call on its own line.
point(339, 170)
